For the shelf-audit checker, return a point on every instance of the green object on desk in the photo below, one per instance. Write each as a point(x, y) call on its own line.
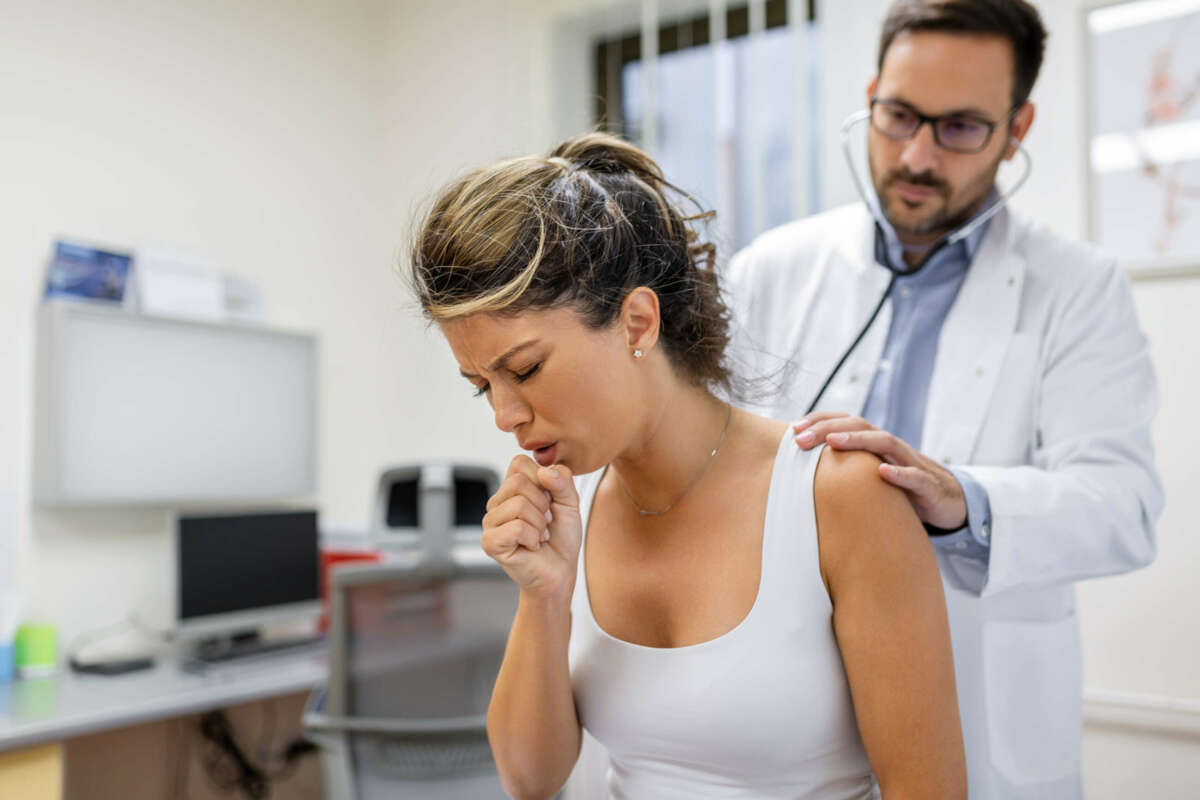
point(36, 649)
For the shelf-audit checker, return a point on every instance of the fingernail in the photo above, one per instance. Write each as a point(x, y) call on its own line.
point(549, 516)
point(800, 424)
point(838, 438)
point(806, 438)
point(553, 471)
point(546, 535)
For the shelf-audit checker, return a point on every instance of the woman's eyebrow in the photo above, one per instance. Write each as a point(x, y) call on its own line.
point(503, 359)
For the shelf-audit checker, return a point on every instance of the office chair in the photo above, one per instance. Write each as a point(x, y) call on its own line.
point(413, 656)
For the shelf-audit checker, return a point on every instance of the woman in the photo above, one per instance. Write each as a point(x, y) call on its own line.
point(729, 615)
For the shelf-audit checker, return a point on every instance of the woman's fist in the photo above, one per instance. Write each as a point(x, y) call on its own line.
point(532, 527)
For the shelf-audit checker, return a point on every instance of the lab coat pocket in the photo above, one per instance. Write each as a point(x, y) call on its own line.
point(1034, 698)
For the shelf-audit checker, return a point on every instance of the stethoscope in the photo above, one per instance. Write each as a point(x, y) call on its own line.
point(882, 255)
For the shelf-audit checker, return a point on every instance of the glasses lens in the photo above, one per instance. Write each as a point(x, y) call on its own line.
point(962, 133)
point(893, 121)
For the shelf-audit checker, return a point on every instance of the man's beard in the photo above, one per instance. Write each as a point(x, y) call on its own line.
point(945, 219)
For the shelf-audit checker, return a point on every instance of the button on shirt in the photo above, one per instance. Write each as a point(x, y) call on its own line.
point(900, 390)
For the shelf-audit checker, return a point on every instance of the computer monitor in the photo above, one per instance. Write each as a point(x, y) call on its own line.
point(237, 572)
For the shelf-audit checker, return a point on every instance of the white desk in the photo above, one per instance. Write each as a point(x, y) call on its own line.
point(37, 715)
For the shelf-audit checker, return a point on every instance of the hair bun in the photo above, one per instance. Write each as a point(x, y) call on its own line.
point(605, 153)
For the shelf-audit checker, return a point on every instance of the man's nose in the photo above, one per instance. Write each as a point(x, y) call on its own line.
point(509, 408)
point(920, 154)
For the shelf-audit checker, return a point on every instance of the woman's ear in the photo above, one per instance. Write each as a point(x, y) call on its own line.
point(640, 319)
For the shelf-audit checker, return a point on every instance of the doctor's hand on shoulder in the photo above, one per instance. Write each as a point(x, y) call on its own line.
point(934, 492)
point(532, 528)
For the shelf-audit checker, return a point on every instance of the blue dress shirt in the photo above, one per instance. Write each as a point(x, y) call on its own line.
point(900, 390)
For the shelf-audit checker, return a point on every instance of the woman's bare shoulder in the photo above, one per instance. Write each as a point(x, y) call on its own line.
point(846, 477)
point(863, 522)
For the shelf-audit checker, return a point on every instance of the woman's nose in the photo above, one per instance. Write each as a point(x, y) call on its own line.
point(509, 408)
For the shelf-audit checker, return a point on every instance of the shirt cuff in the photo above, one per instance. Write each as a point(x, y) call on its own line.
point(973, 540)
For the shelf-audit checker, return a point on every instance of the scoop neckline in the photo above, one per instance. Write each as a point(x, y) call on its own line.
point(762, 569)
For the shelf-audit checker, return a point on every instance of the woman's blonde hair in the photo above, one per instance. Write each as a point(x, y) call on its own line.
point(581, 227)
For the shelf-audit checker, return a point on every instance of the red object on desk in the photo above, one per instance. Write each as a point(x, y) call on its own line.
point(329, 558)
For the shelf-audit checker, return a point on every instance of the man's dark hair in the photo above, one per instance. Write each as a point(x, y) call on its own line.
point(1014, 20)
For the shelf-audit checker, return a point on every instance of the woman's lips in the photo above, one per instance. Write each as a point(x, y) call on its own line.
point(546, 455)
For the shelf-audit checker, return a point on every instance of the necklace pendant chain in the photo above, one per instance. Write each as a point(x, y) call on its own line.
point(646, 512)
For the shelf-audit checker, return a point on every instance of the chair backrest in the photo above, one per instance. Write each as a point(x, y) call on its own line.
point(419, 647)
point(414, 653)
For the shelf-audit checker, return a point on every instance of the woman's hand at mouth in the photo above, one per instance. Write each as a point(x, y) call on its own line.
point(532, 527)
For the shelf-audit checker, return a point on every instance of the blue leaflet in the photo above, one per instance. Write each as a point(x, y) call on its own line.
point(78, 271)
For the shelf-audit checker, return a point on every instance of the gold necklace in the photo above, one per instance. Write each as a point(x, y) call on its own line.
point(648, 513)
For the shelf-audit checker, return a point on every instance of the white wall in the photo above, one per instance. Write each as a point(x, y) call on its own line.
point(293, 141)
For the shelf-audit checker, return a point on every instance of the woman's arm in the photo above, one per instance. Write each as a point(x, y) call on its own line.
point(889, 615)
point(532, 726)
point(531, 723)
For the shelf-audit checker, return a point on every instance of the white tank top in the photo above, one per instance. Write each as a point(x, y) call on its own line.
point(762, 711)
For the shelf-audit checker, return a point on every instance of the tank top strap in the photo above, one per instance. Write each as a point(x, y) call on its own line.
point(791, 572)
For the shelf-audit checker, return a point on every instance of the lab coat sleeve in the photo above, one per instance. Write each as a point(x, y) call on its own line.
point(1088, 504)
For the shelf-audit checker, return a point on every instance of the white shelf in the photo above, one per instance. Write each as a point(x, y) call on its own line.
point(138, 409)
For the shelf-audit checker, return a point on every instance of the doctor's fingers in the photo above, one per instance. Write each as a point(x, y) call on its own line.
point(816, 416)
point(515, 508)
point(820, 431)
point(916, 481)
point(520, 485)
point(504, 540)
point(891, 449)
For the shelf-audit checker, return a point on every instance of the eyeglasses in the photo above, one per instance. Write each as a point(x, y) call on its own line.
point(960, 133)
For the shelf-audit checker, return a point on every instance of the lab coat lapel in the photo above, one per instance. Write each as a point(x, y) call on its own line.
point(868, 281)
point(972, 345)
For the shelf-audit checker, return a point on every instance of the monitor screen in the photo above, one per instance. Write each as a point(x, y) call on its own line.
point(246, 562)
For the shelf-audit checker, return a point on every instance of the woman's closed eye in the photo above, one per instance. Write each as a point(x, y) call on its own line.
point(519, 377)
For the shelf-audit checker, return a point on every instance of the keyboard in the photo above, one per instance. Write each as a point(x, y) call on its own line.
point(220, 654)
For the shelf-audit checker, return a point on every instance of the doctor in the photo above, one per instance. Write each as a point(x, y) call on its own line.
point(997, 369)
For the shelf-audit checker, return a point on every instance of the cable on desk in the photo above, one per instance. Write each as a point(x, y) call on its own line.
point(230, 769)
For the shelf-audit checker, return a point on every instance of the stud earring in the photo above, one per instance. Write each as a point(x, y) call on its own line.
point(638, 354)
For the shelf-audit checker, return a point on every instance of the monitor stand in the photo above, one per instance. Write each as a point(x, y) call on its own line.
point(248, 644)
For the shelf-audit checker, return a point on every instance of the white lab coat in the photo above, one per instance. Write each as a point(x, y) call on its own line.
point(1043, 391)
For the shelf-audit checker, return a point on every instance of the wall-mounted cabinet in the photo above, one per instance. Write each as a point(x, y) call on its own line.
point(136, 409)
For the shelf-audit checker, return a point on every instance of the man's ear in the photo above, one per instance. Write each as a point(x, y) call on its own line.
point(640, 319)
point(1022, 121)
